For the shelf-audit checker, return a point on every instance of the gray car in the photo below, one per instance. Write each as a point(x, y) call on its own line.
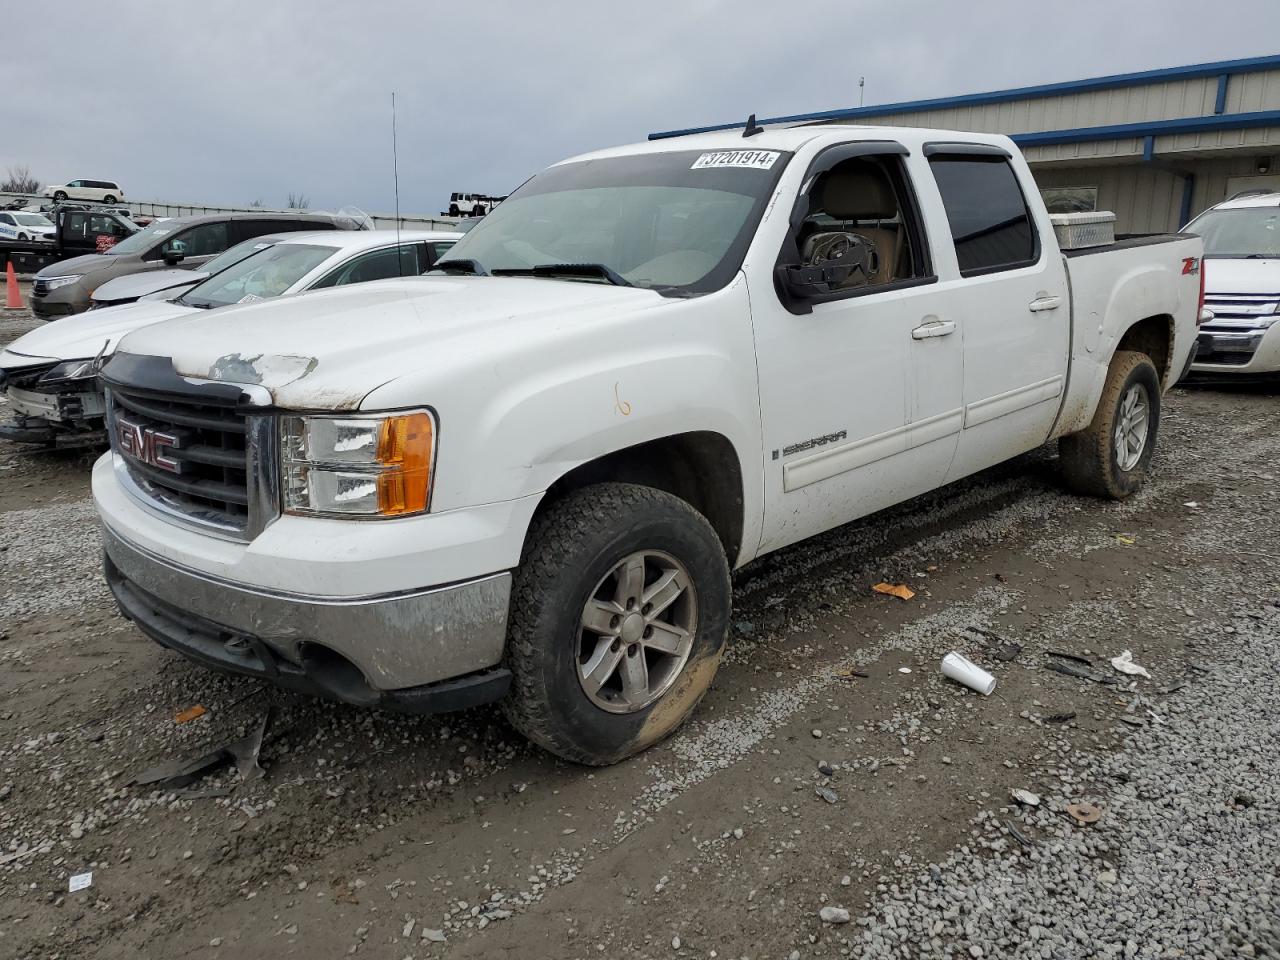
point(65, 288)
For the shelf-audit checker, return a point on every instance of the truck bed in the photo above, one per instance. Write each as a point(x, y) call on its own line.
point(1126, 242)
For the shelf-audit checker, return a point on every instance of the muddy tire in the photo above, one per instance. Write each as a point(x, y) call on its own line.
point(619, 614)
point(1110, 457)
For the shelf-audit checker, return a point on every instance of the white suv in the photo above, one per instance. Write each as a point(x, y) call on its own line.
point(1242, 286)
point(104, 191)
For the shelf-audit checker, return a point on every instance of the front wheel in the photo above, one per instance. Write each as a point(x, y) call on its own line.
point(23, 236)
point(1111, 456)
point(619, 614)
point(60, 195)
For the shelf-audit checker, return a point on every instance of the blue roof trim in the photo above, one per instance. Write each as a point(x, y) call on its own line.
point(1150, 128)
point(1227, 67)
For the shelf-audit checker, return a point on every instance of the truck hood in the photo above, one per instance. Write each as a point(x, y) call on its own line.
point(329, 349)
point(81, 336)
point(135, 285)
point(88, 263)
point(1229, 275)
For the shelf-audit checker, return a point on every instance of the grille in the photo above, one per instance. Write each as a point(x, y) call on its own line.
point(192, 457)
point(1242, 306)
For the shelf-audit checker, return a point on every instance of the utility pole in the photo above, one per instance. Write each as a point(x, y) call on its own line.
point(862, 83)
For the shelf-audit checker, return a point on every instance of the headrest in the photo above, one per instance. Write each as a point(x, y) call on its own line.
point(852, 191)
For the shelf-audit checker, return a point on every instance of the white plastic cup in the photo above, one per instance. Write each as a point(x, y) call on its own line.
point(963, 670)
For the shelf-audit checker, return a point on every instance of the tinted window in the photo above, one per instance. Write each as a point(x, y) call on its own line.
point(202, 241)
point(988, 214)
point(5, 218)
point(375, 265)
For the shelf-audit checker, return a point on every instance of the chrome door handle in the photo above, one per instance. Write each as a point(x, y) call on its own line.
point(1041, 304)
point(934, 328)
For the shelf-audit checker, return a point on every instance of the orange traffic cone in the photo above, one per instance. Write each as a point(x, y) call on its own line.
point(12, 299)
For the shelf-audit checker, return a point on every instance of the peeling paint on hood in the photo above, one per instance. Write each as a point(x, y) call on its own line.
point(270, 371)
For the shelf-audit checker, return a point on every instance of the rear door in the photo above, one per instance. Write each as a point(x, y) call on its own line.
point(859, 391)
point(1009, 297)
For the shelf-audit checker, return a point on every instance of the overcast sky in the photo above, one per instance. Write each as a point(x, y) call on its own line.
point(228, 101)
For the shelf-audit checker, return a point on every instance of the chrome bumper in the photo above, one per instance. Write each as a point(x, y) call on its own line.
point(403, 651)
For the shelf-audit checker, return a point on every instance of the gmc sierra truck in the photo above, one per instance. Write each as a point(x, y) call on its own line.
point(527, 475)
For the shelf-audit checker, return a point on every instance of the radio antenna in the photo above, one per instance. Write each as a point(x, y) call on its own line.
point(395, 171)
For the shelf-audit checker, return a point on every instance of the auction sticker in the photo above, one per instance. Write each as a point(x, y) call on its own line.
point(750, 159)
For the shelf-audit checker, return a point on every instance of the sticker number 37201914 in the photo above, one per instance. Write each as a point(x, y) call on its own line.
point(751, 159)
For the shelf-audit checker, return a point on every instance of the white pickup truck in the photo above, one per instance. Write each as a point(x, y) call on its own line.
point(528, 475)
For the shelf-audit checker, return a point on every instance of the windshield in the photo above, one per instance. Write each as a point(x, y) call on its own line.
point(32, 220)
point(143, 239)
point(678, 222)
point(1242, 232)
point(235, 254)
point(267, 273)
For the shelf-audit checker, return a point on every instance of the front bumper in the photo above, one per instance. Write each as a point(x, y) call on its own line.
point(47, 418)
point(355, 650)
point(1238, 352)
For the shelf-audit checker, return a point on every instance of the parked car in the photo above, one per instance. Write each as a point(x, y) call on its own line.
point(104, 191)
point(20, 225)
point(1242, 288)
point(528, 475)
point(169, 284)
point(78, 230)
point(65, 288)
point(49, 375)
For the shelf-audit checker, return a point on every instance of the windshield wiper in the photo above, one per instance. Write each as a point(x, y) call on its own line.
point(590, 271)
point(474, 267)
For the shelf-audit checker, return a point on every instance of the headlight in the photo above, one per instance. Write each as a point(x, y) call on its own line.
point(70, 370)
point(53, 283)
point(358, 466)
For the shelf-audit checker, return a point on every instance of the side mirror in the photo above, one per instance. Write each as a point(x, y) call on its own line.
point(832, 265)
point(173, 257)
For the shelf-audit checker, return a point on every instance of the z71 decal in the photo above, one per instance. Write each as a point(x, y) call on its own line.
point(1190, 266)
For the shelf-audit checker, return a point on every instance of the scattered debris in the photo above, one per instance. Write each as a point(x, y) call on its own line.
point(1124, 663)
point(904, 669)
point(1068, 670)
point(1026, 798)
point(80, 881)
point(826, 769)
point(1060, 717)
point(1133, 721)
point(1008, 652)
point(1070, 656)
point(816, 733)
point(1017, 834)
point(1191, 503)
point(433, 936)
point(1173, 687)
point(899, 590)
point(1084, 812)
point(964, 671)
point(851, 674)
point(179, 773)
point(189, 714)
point(827, 794)
point(834, 915)
point(1126, 540)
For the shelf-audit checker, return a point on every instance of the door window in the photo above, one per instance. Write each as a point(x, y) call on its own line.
point(435, 251)
point(990, 223)
point(375, 265)
point(6, 218)
point(859, 212)
point(204, 240)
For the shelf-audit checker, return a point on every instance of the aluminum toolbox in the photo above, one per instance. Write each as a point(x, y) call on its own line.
point(1076, 230)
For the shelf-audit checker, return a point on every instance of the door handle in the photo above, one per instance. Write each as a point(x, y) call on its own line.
point(934, 328)
point(1040, 304)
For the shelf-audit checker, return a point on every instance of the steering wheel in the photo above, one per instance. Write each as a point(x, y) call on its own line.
point(850, 250)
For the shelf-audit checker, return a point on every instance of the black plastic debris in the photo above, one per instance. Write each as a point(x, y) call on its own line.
point(243, 753)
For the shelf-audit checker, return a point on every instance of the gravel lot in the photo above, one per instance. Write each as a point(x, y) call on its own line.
point(800, 790)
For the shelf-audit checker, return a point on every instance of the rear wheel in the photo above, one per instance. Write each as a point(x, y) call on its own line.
point(108, 199)
point(619, 614)
point(1111, 456)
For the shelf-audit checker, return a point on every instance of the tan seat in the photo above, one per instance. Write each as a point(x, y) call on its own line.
point(858, 191)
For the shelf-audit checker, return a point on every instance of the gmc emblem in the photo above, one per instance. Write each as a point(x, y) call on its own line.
point(147, 444)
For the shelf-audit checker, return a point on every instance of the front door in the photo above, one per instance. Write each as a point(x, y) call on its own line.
point(860, 396)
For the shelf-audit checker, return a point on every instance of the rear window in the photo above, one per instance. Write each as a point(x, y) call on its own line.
point(990, 223)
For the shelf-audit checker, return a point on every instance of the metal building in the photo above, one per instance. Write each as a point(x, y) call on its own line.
point(1157, 147)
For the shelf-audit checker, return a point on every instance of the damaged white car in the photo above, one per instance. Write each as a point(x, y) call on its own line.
point(49, 376)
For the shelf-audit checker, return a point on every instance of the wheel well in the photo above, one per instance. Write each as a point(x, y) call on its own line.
point(1154, 337)
point(700, 468)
